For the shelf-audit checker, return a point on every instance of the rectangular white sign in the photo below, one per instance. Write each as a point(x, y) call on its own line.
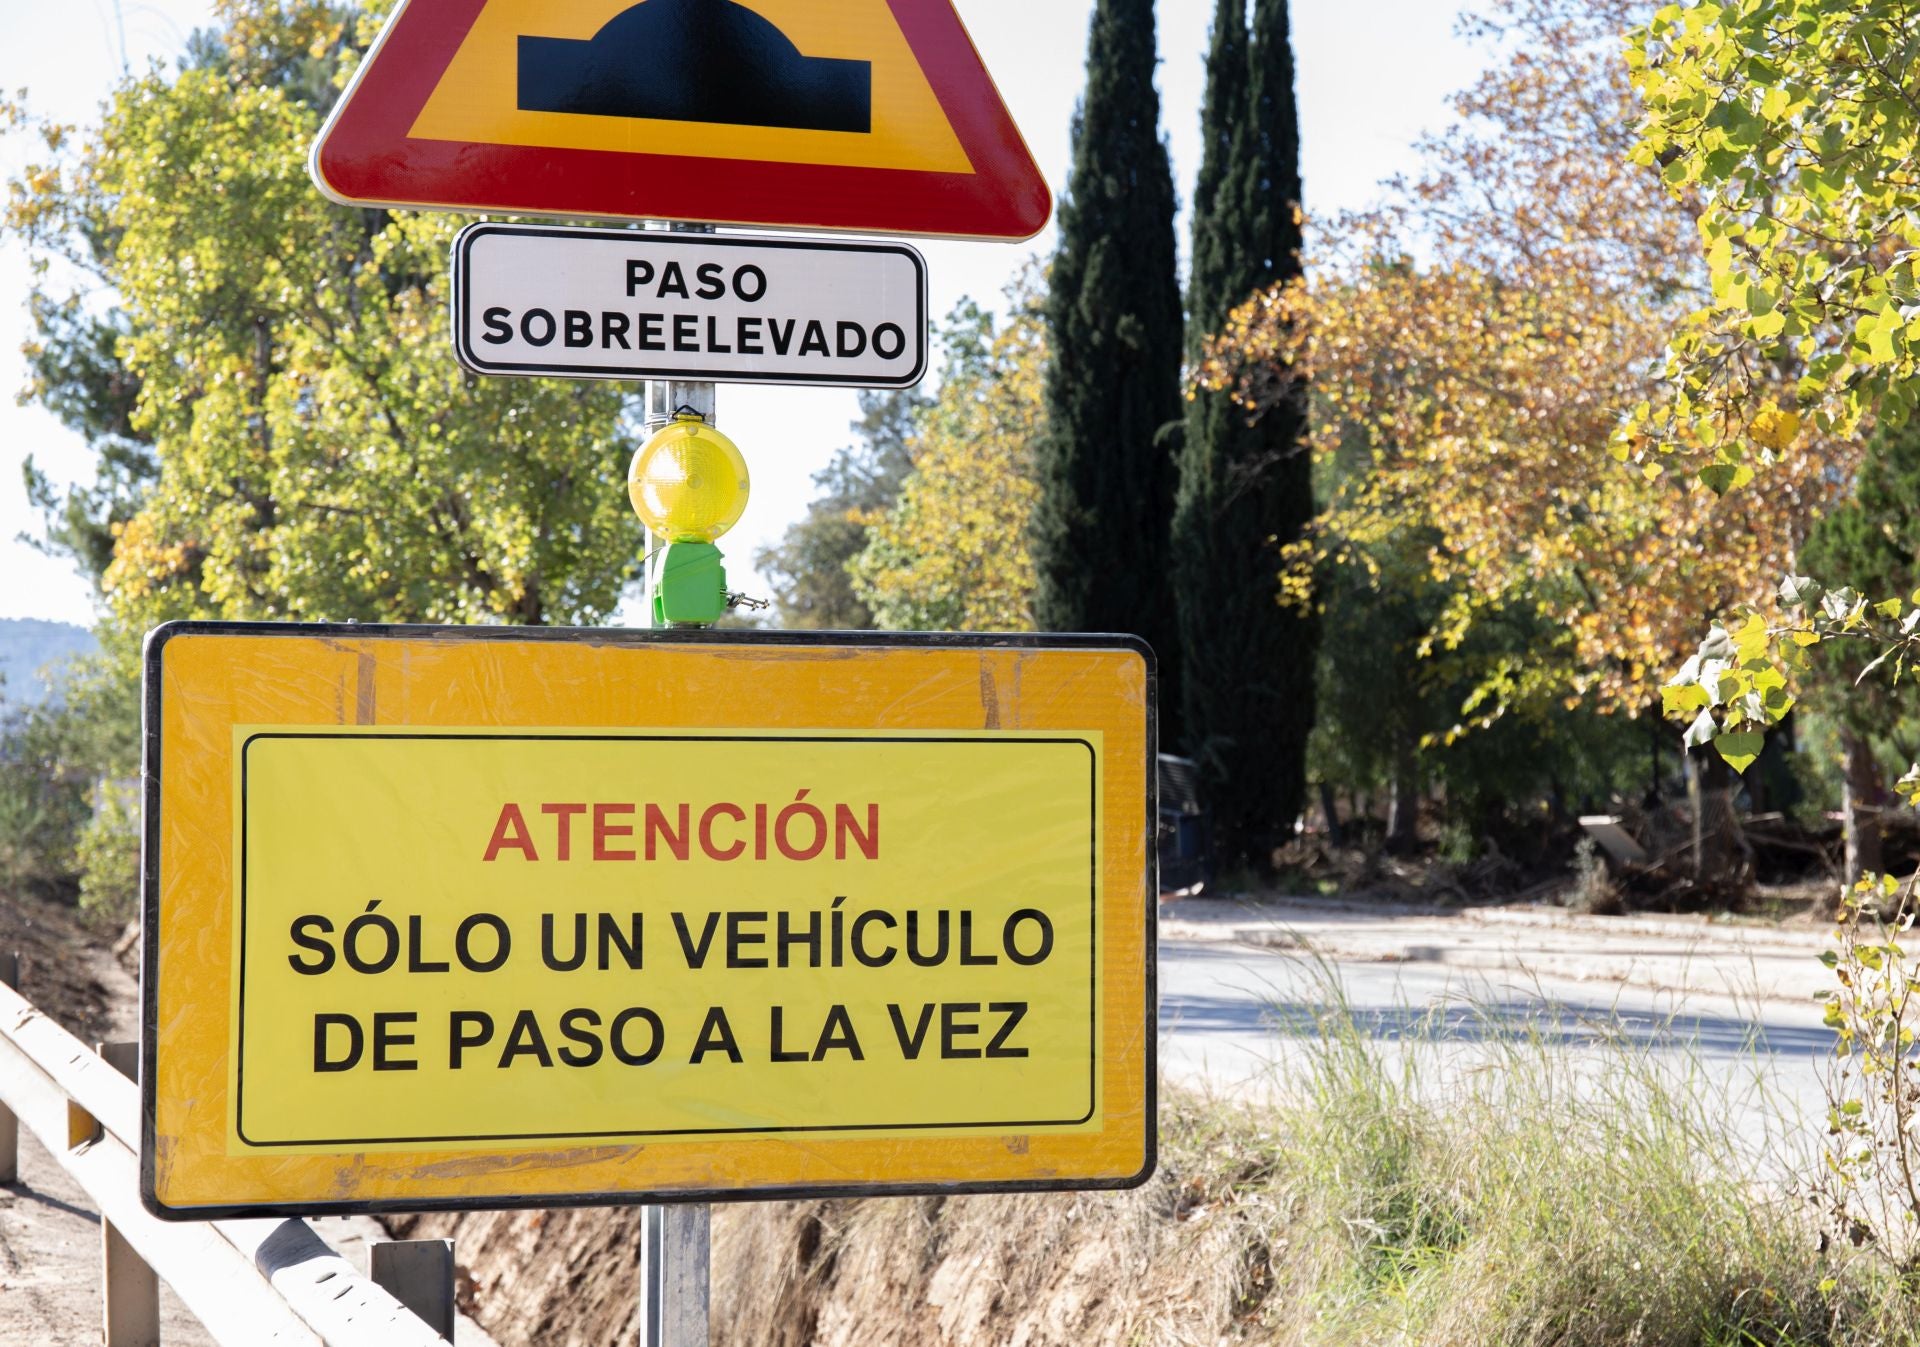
point(646, 304)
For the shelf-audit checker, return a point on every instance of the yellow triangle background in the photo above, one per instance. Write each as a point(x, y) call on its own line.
point(476, 98)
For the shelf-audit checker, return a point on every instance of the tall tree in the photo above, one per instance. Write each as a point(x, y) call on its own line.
point(808, 568)
point(281, 431)
point(1482, 332)
point(950, 554)
point(1245, 482)
point(1873, 543)
point(297, 443)
point(1113, 387)
point(1213, 287)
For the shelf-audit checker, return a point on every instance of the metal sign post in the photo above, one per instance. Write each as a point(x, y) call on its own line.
point(676, 1243)
point(675, 1247)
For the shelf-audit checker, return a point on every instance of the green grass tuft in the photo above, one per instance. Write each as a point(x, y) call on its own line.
point(1467, 1182)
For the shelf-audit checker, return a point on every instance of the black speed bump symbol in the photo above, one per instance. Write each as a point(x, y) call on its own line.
point(695, 61)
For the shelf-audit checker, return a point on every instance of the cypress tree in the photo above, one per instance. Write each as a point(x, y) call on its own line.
point(1244, 489)
point(1113, 381)
point(1215, 284)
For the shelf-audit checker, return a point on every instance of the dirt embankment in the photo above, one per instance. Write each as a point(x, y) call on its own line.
point(1037, 1270)
point(70, 971)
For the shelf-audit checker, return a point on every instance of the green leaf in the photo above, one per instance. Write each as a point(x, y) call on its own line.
point(1740, 747)
point(1797, 591)
point(1720, 478)
point(1751, 641)
point(1683, 699)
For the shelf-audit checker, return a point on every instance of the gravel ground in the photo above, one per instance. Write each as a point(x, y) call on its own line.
point(49, 1232)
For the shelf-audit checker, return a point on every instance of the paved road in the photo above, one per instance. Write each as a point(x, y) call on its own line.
point(1725, 1014)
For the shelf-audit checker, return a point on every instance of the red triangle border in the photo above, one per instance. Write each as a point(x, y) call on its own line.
point(364, 157)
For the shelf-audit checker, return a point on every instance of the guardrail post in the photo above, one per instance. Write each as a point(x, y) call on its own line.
point(674, 1276)
point(419, 1274)
point(131, 1291)
point(9, 1125)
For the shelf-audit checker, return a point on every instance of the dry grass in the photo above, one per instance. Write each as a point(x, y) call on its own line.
point(1506, 1193)
point(1389, 1197)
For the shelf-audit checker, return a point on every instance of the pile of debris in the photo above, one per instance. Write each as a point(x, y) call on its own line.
point(1311, 863)
point(1659, 857)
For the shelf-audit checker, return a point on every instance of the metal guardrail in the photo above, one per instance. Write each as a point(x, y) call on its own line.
point(250, 1282)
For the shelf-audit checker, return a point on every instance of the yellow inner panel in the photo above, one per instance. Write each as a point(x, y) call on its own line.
point(477, 99)
point(967, 837)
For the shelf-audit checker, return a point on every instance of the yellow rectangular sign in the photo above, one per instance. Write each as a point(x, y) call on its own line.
point(487, 917)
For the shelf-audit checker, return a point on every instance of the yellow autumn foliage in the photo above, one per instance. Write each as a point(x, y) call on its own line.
point(1481, 338)
point(951, 553)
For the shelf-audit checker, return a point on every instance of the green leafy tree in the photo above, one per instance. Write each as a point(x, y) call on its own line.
point(43, 802)
point(950, 554)
point(1874, 542)
point(74, 361)
point(1245, 480)
point(1105, 469)
point(1390, 704)
point(60, 759)
point(1790, 126)
point(77, 374)
point(282, 430)
point(1378, 700)
point(812, 587)
point(319, 453)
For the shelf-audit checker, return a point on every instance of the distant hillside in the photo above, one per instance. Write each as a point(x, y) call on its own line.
point(28, 645)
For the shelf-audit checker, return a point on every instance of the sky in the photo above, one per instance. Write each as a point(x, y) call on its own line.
point(1371, 77)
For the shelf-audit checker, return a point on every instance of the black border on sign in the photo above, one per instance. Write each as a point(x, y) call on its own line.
point(474, 362)
point(152, 678)
point(957, 737)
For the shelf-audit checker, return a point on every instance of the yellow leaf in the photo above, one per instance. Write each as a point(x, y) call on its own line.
point(1776, 429)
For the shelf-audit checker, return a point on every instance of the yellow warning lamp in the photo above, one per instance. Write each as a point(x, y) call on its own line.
point(689, 485)
point(689, 482)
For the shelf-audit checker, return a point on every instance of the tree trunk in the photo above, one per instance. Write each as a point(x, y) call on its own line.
point(1861, 795)
point(1403, 802)
point(1336, 835)
point(1656, 731)
point(1720, 853)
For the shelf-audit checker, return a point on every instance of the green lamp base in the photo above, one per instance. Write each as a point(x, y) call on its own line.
point(692, 588)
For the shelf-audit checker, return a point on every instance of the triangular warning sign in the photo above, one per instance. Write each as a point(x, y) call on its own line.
point(869, 115)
